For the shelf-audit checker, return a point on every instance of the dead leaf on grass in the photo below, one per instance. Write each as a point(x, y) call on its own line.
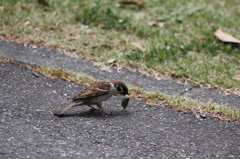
point(225, 37)
point(106, 45)
point(120, 21)
point(237, 77)
point(154, 23)
point(111, 61)
point(102, 66)
point(26, 23)
point(138, 45)
point(139, 4)
point(43, 2)
point(1, 9)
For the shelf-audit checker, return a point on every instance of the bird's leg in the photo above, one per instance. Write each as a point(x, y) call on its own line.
point(93, 108)
point(99, 105)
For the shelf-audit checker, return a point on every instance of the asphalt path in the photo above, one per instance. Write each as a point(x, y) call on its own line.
point(54, 59)
point(28, 129)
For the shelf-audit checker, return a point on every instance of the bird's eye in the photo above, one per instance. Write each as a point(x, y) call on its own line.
point(119, 89)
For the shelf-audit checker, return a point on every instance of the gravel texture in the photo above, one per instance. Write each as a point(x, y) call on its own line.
point(28, 129)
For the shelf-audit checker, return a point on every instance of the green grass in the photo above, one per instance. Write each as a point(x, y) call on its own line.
point(189, 105)
point(151, 98)
point(184, 48)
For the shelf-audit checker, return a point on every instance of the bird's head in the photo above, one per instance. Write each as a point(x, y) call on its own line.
point(121, 87)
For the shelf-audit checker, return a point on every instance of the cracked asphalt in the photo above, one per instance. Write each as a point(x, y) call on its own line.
point(28, 128)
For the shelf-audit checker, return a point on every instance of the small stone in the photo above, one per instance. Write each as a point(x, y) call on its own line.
point(153, 143)
point(200, 116)
point(35, 74)
point(182, 155)
point(231, 156)
point(137, 143)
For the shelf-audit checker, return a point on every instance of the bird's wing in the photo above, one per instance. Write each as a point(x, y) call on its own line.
point(94, 90)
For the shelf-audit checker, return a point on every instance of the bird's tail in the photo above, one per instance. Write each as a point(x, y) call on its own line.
point(63, 109)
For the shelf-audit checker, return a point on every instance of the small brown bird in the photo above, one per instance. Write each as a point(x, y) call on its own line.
point(96, 93)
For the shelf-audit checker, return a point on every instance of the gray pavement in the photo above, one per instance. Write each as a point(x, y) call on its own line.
point(28, 129)
point(54, 59)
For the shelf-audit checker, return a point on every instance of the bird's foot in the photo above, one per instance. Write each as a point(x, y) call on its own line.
point(93, 108)
point(105, 112)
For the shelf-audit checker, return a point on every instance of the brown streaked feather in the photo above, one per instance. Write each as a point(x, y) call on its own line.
point(63, 109)
point(94, 90)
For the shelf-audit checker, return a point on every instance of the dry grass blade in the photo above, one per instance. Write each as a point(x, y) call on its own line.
point(138, 45)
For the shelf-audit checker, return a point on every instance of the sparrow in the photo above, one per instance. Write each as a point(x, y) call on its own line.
point(95, 94)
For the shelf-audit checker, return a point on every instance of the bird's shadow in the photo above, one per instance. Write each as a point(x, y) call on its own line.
point(96, 114)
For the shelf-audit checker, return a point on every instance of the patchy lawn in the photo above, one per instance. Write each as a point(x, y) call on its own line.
point(166, 39)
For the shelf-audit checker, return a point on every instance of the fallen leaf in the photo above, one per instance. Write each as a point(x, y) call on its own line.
point(237, 77)
point(154, 23)
point(120, 21)
point(138, 45)
point(26, 23)
point(161, 24)
point(225, 37)
point(112, 61)
point(43, 2)
point(106, 45)
point(1, 9)
point(101, 66)
point(140, 3)
point(151, 23)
